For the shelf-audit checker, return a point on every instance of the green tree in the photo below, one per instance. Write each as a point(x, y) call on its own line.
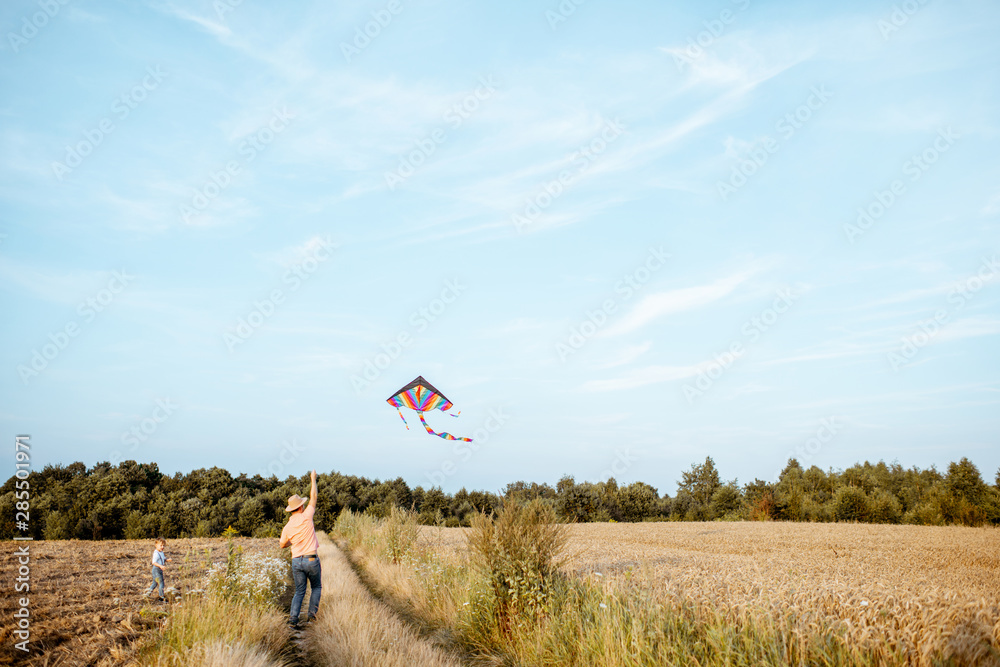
point(577, 502)
point(851, 504)
point(433, 508)
point(637, 501)
point(685, 508)
point(210, 485)
point(758, 497)
point(964, 481)
point(56, 526)
point(790, 497)
point(726, 501)
point(884, 508)
point(702, 481)
point(251, 516)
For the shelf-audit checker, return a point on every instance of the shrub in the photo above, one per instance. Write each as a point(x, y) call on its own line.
point(927, 513)
point(203, 529)
point(269, 529)
point(851, 504)
point(814, 510)
point(725, 500)
point(517, 553)
point(353, 527)
point(885, 508)
point(57, 527)
point(398, 533)
point(637, 501)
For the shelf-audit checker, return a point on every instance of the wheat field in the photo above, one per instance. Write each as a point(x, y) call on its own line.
point(923, 591)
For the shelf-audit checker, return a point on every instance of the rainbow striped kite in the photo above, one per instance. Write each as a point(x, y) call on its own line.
point(420, 395)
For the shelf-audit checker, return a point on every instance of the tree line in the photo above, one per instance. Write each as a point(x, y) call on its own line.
point(136, 501)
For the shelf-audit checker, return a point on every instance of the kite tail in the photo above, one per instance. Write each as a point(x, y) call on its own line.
point(403, 418)
point(446, 436)
point(456, 414)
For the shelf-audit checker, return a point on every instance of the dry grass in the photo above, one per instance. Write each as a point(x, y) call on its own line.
point(87, 601)
point(214, 631)
point(354, 629)
point(782, 593)
point(220, 654)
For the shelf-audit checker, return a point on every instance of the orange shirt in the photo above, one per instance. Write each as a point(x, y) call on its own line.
point(300, 532)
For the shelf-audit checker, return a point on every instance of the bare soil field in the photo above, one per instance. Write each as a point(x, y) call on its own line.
point(920, 586)
point(87, 600)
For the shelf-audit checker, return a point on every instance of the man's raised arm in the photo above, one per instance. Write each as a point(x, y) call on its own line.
point(312, 490)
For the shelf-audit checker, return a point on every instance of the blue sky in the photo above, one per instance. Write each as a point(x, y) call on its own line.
point(619, 237)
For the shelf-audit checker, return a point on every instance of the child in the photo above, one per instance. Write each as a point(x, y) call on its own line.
point(158, 561)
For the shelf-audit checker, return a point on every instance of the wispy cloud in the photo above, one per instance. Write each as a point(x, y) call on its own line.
point(969, 327)
point(295, 254)
point(217, 30)
point(627, 355)
point(46, 284)
point(641, 377)
point(655, 306)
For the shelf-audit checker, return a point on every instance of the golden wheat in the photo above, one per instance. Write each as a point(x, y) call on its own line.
point(910, 593)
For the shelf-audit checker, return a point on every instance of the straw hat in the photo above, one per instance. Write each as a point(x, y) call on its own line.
point(295, 502)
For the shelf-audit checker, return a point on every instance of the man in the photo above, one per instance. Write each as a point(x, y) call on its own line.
point(300, 533)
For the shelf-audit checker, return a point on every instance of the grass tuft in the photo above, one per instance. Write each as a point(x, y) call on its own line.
point(516, 554)
point(252, 633)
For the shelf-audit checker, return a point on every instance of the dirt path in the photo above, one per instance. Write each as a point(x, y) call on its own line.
point(355, 629)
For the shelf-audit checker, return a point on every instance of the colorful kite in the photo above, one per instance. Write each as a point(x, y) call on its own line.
point(421, 396)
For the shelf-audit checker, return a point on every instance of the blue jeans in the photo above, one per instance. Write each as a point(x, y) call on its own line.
point(304, 569)
point(157, 579)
